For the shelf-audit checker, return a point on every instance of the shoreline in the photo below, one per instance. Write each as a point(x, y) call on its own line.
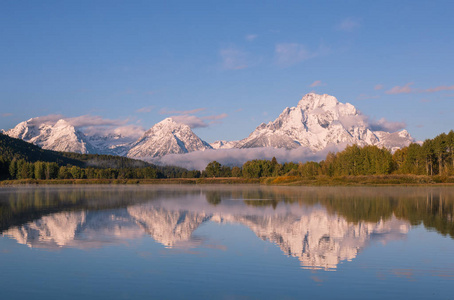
point(362, 180)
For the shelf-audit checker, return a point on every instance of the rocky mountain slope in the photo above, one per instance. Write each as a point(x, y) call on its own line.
point(61, 136)
point(318, 121)
point(167, 137)
point(223, 144)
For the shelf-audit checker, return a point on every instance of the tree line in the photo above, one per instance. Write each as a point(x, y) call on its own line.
point(432, 157)
point(22, 160)
point(21, 169)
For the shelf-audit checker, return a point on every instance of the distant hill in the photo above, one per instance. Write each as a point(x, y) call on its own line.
point(11, 148)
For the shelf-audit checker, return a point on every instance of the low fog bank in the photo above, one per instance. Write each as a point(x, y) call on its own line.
point(198, 160)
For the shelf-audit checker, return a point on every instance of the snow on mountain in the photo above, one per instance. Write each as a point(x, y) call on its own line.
point(318, 121)
point(115, 144)
point(167, 137)
point(394, 141)
point(223, 144)
point(61, 136)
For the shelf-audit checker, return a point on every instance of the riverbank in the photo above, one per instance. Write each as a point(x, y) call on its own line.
point(281, 180)
point(227, 180)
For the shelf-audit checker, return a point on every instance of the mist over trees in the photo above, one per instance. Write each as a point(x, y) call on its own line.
point(433, 157)
point(21, 160)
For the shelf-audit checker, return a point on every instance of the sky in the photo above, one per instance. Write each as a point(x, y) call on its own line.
point(224, 67)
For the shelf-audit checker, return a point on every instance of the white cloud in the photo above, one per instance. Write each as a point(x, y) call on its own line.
point(236, 157)
point(288, 54)
point(380, 125)
point(385, 125)
point(233, 59)
point(251, 37)
point(145, 109)
point(215, 117)
point(6, 115)
point(353, 120)
point(165, 111)
point(190, 120)
point(439, 88)
point(316, 83)
point(89, 120)
point(48, 120)
point(132, 131)
point(348, 24)
point(93, 124)
point(197, 122)
point(406, 89)
point(366, 97)
point(187, 117)
point(292, 53)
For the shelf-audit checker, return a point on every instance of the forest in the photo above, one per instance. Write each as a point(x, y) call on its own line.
point(432, 157)
point(21, 160)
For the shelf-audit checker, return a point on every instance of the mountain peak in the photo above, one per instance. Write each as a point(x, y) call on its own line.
point(167, 126)
point(168, 120)
point(64, 125)
point(313, 101)
point(61, 136)
point(318, 121)
point(167, 137)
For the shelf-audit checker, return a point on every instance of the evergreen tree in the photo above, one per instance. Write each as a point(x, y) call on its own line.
point(40, 172)
point(13, 169)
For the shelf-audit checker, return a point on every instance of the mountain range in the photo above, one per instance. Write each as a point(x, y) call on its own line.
point(317, 122)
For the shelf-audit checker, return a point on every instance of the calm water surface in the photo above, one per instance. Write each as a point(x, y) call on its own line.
point(226, 242)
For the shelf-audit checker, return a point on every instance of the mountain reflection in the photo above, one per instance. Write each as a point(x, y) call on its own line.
point(319, 226)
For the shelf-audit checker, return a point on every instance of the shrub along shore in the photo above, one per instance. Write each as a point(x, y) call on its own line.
point(374, 180)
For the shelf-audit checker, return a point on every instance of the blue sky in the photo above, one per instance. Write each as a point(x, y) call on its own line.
point(226, 66)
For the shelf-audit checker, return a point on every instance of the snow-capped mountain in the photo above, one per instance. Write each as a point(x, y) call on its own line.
point(318, 121)
point(167, 137)
point(61, 136)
